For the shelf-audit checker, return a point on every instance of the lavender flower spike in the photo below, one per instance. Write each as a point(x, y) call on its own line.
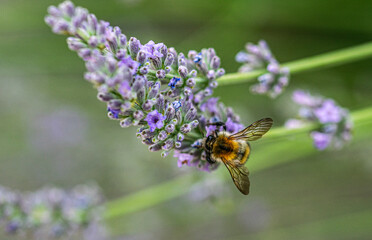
point(259, 56)
point(51, 212)
point(168, 95)
point(334, 122)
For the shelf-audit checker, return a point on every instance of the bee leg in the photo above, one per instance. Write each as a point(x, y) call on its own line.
point(209, 159)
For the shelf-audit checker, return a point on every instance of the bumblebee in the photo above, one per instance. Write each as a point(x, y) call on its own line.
point(234, 150)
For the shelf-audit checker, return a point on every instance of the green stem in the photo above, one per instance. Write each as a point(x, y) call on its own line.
point(335, 58)
point(179, 186)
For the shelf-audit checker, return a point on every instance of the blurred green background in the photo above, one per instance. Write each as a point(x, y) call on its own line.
point(55, 132)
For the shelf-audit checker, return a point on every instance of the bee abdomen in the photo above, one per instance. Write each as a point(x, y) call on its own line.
point(243, 152)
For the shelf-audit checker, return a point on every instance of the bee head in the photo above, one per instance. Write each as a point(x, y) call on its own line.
point(208, 142)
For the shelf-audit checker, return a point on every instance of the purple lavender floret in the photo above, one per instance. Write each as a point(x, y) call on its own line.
point(168, 95)
point(155, 120)
point(328, 112)
point(321, 140)
point(334, 122)
point(172, 83)
point(258, 57)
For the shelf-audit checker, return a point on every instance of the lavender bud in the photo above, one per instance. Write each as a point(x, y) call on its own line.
point(215, 63)
point(144, 70)
point(123, 40)
point(84, 53)
point(207, 92)
point(170, 113)
point(117, 31)
point(148, 141)
point(155, 147)
point(213, 84)
point(92, 22)
point(93, 41)
point(95, 78)
point(162, 135)
point(164, 154)
point(180, 137)
point(169, 59)
point(170, 128)
point(68, 8)
point(273, 67)
point(163, 50)
point(141, 94)
point(168, 144)
point(183, 72)
point(266, 78)
point(141, 57)
point(54, 11)
point(159, 105)
point(126, 122)
point(186, 128)
point(167, 69)
point(138, 115)
point(139, 83)
point(283, 81)
point(156, 62)
point(220, 72)
point(191, 54)
point(179, 116)
point(147, 106)
point(178, 144)
point(134, 46)
point(115, 103)
point(194, 123)
point(187, 91)
point(102, 26)
point(191, 114)
point(75, 44)
point(104, 97)
point(111, 64)
point(174, 121)
point(181, 60)
point(211, 53)
point(147, 133)
point(154, 90)
point(121, 53)
point(210, 75)
point(191, 82)
point(193, 73)
point(174, 52)
point(160, 74)
point(203, 67)
point(50, 20)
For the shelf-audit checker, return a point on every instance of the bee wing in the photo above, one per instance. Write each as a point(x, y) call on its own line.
point(254, 131)
point(239, 175)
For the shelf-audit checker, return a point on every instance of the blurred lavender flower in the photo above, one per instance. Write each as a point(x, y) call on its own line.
point(51, 212)
point(167, 94)
point(335, 124)
point(259, 56)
